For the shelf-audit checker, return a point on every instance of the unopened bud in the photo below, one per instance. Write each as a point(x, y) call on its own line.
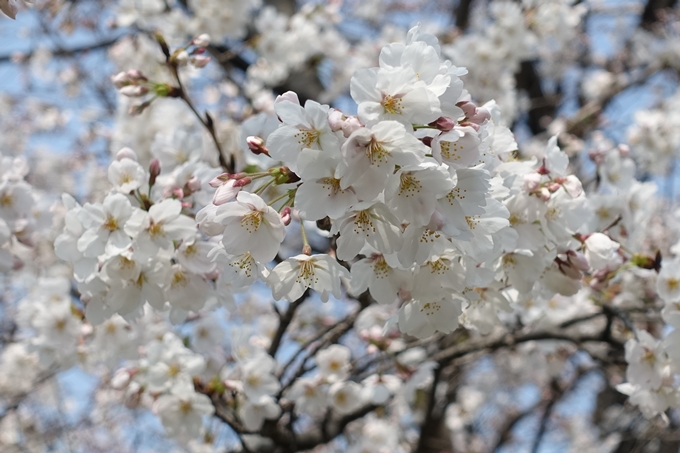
point(427, 141)
point(136, 75)
point(481, 116)
point(286, 216)
point(200, 61)
point(138, 109)
point(443, 123)
point(256, 145)
point(307, 250)
point(336, 120)
point(544, 194)
point(194, 184)
point(133, 91)
point(202, 40)
point(468, 108)
point(177, 192)
point(121, 79)
point(351, 124)
point(154, 171)
point(126, 153)
point(181, 58)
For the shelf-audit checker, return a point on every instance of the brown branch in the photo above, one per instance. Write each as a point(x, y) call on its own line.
point(63, 52)
point(284, 321)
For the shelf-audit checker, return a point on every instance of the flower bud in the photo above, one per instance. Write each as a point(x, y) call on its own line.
point(336, 120)
point(181, 58)
point(218, 181)
point(194, 184)
point(443, 123)
point(544, 194)
point(481, 116)
point(351, 124)
point(136, 75)
point(202, 40)
point(133, 91)
point(200, 61)
point(468, 108)
point(256, 145)
point(121, 79)
point(154, 171)
point(177, 192)
point(286, 216)
point(126, 153)
point(138, 109)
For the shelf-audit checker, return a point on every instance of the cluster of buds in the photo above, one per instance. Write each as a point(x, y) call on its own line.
point(193, 53)
point(132, 83)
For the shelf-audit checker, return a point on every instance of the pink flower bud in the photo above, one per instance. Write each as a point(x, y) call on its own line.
point(256, 145)
point(443, 123)
point(121, 79)
point(336, 120)
point(194, 184)
point(154, 170)
point(226, 192)
point(212, 275)
point(126, 153)
point(286, 216)
point(133, 91)
point(468, 108)
point(553, 187)
point(202, 40)
point(217, 181)
point(480, 117)
point(136, 75)
point(242, 182)
point(351, 124)
point(288, 96)
point(544, 194)
point(427, 141)
point(200, 61)
point(177, 192)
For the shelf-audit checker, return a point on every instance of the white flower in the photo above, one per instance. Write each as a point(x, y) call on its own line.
point(333, 362)
point(369, 156)
point(258, 378)
point(290, 278)
point(423, 318)
point(126, 175)
point(647, 361)
point(157, 229)
point(104, 225)
point(668, 281)
point(367, 223)
point(182, 411)
point(302, 128)
point(250, 225)
point(254, 412)
point(309, 395)
point(600, 250)
point(345, 397)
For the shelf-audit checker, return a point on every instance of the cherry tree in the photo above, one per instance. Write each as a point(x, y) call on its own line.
point(253, 226)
